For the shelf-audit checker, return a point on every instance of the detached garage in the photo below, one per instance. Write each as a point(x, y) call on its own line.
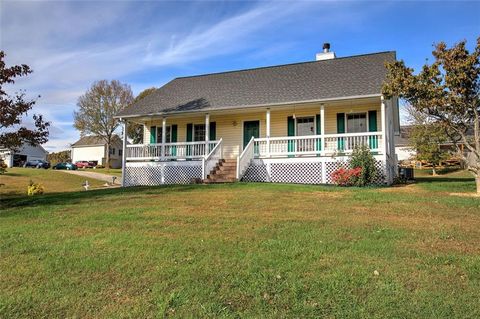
point(25, 153)
point(94, 148)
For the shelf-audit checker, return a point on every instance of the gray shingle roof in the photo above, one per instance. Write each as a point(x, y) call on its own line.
point(92, 140)
point(360, 75)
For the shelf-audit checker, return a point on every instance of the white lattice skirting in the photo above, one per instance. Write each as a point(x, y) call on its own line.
point(316, 170)
point(303, 170)
point(158, 173)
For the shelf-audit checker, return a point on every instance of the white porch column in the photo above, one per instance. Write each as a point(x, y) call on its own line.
point(384, 139)
point(207, 132)
point(124, 151)
point(382, 114)
point(164, 135)
point(268, 132)
point(322, 126)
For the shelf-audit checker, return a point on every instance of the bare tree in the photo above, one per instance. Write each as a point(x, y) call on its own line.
point(97, 108)
point(135, 131)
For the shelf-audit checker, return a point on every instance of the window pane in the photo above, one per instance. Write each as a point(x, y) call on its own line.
point(168, 137)
point(356, 123)
point(305, 126)
point(199, 132)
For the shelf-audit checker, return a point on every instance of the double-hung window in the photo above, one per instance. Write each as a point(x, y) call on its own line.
point(305, 127)
point(168, 136)
point(357, 123)
point(199, 132)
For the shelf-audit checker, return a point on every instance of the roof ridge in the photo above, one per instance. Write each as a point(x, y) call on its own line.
point(281, 65)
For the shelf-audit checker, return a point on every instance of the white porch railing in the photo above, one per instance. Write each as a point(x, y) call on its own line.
point(316, 144)
point(211, 160)
point(180, 150)
point(244, 159)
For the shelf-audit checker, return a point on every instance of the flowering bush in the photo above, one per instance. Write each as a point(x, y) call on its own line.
point(34, 189)
point(362, 157)
point(346, 177)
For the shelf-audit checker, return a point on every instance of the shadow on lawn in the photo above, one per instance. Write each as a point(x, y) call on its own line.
point(448, 184)
point(12, 174)
point(69, 198)
point(425, 179)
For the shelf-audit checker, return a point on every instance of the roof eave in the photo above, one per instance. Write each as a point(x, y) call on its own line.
point(85, 145)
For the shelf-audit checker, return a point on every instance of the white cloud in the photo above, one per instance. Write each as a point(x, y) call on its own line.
point(71, 44)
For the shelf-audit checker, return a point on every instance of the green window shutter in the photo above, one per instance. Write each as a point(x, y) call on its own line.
point(372, 121)
point(319, 124)
point(174, 135)
point(189, 138)
point(340, 130)
point(189, 132)
point(213, 131)
point(340, 123)
point(372, 127)
point(291, 126)
point(291, 132)
point(153, 134)
point(318, 132)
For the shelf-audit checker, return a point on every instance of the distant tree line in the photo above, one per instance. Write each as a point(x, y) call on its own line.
point(59, 157)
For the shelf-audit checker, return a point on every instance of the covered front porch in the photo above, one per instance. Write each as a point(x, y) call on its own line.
point(310, 130)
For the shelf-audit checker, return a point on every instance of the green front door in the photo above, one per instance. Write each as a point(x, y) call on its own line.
point(250, 128)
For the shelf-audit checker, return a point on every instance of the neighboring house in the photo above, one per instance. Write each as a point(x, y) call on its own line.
point(25, 153)
point(403, 148)
point(293, 123)
point(93, 148)
point(405, 152)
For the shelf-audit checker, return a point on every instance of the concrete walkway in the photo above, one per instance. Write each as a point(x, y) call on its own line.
point(95, 175)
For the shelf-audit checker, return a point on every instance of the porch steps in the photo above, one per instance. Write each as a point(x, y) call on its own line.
point(224, 172)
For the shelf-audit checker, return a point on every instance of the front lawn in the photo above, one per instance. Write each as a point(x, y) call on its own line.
point(244, 250)
point(109, 171)
point(16, 180)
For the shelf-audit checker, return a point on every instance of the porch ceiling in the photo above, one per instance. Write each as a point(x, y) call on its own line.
point(354, 102)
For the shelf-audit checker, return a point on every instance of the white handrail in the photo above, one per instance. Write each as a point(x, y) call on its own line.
point(209, 162)
point(176, 150)
point(172, 143)
point(312, 145)
point(244, 159)
point(262, 139)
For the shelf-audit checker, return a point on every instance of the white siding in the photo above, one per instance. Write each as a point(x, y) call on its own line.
point(33, 152)
point(88, 153)
point(405, 153)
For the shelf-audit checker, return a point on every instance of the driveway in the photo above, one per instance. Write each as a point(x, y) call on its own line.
point(99, 176)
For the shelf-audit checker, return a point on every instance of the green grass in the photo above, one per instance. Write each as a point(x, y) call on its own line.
point(244, 250)
point(110, 171)
point(16, 180)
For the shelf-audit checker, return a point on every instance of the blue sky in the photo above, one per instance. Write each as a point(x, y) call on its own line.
point(70, 44)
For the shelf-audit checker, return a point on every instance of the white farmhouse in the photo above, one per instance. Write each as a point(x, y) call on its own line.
point(93, 148)
point(293, 123)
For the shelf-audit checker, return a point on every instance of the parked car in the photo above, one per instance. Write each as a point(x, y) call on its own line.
point(85, 164)
point(68, 166)
point(37, 164)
